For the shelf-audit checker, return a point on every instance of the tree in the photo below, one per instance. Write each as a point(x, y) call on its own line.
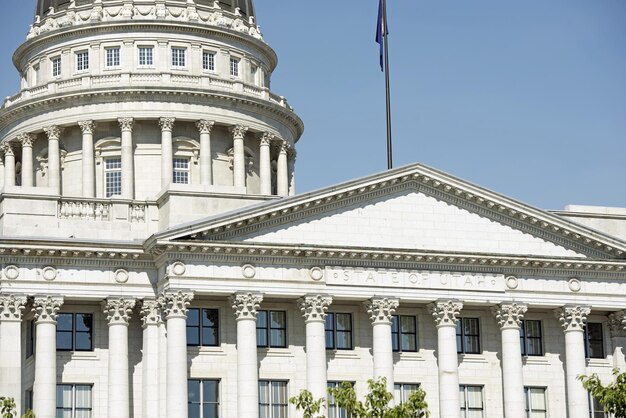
point(376, 403)
point(7, 408)
point(612, 397)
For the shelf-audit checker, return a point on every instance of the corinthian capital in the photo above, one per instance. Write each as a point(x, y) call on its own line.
point(175, 304)
point(87, 126)
point(445, 312)
point(246, 304)
point(617, 324)
point(46, 308)
point(314, 307)
point(11, 307)
point(284, 147)
point(126, 124)
point(150, 312)
point(53, 132)
point(167, 124)
point(381, 309)
point(7, 149)
point(26, 139)
point(509, 315)
point(118, 310)
point(238, 131)
point(204, 126)
point(266, 138)
point(572, 317)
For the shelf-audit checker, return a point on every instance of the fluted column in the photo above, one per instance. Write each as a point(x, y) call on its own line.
point(54, 158)
point(239, 156)
point(88, 173)
point(46, 309)
point(572, 319)
point(150, 317)
point(509, 317)
point(245, 306)
point(27, 159)
point(313, 309)
point(167, 152)
point(11, 307)
point(175, 311)
point(380, 310)
point(9, 165)
point(292, 171)
point(617, 328)
point(445, 313)
point(128, 164)
point(206, 161)
point(282, 175)
point(265, 164)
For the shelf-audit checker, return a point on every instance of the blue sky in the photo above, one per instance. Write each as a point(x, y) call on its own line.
point(525, 98)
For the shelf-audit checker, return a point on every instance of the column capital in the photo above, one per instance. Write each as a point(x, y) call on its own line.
point(509, 314)
point(284, 147)
point(53, 132)
point(26, 139)
point(46, 308)
point(167, 124)
point(11, 307)
point(266, 138)
point(151, 312)
point(238, 131)
point(445, 312)
point(617, 324)
point(314, 307)
point(7, 149)
point(381, 309)
point(126, 124)
point(87, 126)
point(572, 317)
point(118, 310)
point(205, 126)
point(175, 304)
point(246, 304)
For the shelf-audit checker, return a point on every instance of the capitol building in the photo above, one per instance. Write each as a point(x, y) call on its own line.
point(157, 262)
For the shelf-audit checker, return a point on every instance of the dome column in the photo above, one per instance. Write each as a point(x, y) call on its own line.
point(206, 161)
point(27, 159)
point(128, 169)
point(292, 172)
point(239, 157)
point(282, 172)
point(265, 164)
point(54, 158)
point(89, 183)
point(9, 165)
point(167, 152)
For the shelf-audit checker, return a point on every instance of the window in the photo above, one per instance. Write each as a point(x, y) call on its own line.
point(179, 56)
point(271, 329)
point(74, 332)
point(403, 333)
point(113, 176)
point(334, 411)
point(338, 331)
point(74, 401)
point(536, 406)
point(530, 338)
point(468, 336)
point(112, 57)
point(471, 401)
point(234, 67)
point(146, 56)
point(208, 61)
point(402, 391)
point(203, 327)
point(56, 67)
point(203, 398)
point(30, 338)
point(594, 340)
point(273, 401)
point(596, 410)
point(82, 61)
point(28, 399)
point(181, 171)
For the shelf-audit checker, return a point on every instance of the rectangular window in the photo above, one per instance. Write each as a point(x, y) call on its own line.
point(271, 329)
point(536, 405)
point(334, 411)
point(403, 333)
point(468, 336)
point(338, 331)
point(234, 67)
point(146, 56)
point(113, 176)
point(74, 332)
point(82, 61)
point(594, 340)
point(56, 67)
point(203, 327)
point(471, 401)
point(112, 57)
point(181, 171)
point(203, 398)
point(273, 399)
point(28, 399)
point(74, 401)
point(402, 391)
point(208, 61)
point(179, 57)
point(531, 338)
point(30, 338)
point(596, 410)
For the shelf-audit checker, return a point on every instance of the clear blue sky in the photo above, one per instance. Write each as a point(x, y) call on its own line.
point(525, 98)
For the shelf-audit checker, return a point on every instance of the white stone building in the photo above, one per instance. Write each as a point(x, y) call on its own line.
point(157, 263)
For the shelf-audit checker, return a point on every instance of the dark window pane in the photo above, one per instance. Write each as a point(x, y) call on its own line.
point(344, 340)
point(408, 342)
point(192, 336)
point(394, 323)
point(261, 337)
point(209, 336)
point(209, 411)
point(344, 322)
point(278, 338)
point(64, 322)
point(407, 324)
point(84, 322)
point(261, 319)
point(64, 340)
point(472, 345)
point(459, 344)
point(330, 322)
point(193, 390)
point(193, 410)
point(211, 392)
point(330, 340)
point(210, 318)
point(83, 341)
point(193, 317)
point(278, 319)
point(596, 349)
point(533, 329)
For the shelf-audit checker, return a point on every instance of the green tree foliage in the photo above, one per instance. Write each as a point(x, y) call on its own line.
point(8, 409)
point(612, 396)
point(376, 404)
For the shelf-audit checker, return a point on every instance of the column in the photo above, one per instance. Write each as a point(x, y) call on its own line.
point(617, 328)
point(128, 169)
point(313, 309)
point(292, 171)
point(509, 317)
point(54, 158)
point(27, 159)
point(151, 318)
point(11, 307)
point(572, 319)
point(445, 313)
point(9, 165)
point(282, 180)
point(381, 310)
point(118, 312)
point(265, 163)
point(206, 160)
point(88, 173)
point(245, 306)
point(46, 309)
point(175, 311)
point(239, 157)
point(167, 152)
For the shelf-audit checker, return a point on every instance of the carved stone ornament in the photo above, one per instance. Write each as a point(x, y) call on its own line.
point(316, 273)
point(11, 307)
point(167, 124)
point(49, 273)
point(53, 132)
point(46, 308)
point(87, 126)
point(26, 139)
point(238, 131)
point(314, 307)
point(151, 312)
point(248, 271)
point(509, 315)
point(11, 272)
point(121, 276)
point(574, 285)
point(266, 138)
point(617, 324)
point(445, 313)
point(512, 282)
point(381, 309)
point(572, 318)
point(126, 124)
point(245, 305)
point(204, 126)
point(118, 311)
point(7, 149)
point(284, 147)
point(175, 304)
point(178, 268)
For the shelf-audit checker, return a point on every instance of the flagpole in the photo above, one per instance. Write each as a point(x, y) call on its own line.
point(387, 88)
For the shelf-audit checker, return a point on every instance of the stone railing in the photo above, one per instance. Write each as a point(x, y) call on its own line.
point(102, 210)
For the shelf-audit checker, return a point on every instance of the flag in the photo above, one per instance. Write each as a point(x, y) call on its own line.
point(381, 31)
